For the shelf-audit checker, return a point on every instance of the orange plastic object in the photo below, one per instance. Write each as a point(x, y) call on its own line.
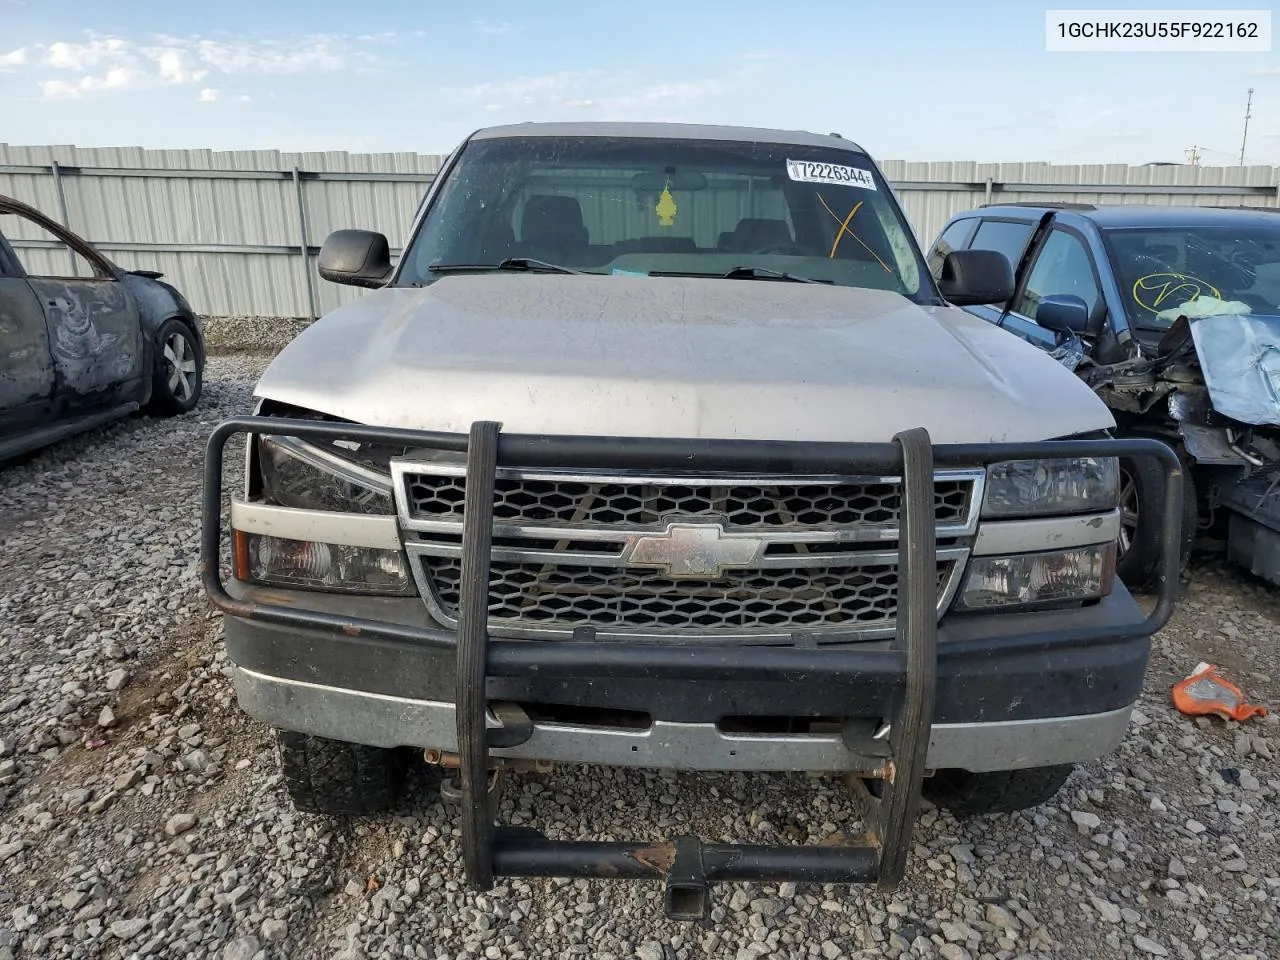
point(1205, 692)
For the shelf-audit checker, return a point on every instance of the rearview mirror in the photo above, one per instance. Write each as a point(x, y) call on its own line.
point(656, 181)
point(1063, 313)
point(359, 258)
point(971, 277)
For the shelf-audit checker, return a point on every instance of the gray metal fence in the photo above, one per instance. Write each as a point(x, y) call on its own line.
point(238, 231)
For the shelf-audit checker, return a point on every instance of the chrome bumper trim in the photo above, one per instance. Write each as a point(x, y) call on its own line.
point(323, 526)
point(388, 721)
point(1046, 533)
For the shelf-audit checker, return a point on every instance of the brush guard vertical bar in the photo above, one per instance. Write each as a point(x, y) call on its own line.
point(687, 865)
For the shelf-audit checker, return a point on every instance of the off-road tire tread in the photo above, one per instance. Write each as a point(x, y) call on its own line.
point(968, 794)
point(337, 778)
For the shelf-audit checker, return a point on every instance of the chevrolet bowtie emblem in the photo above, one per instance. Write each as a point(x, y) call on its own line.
point(700, 550)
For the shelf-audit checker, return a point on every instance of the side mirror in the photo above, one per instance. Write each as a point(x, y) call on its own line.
point(360, 258)
point(1064, 313)
point(971, 277)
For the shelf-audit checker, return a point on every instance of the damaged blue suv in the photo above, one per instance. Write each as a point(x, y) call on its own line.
point(1172, 316)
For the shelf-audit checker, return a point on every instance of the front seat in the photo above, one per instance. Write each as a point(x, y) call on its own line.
point(551, 229)
point(757, 234)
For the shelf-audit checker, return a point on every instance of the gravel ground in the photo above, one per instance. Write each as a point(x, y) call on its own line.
point(142, 815)
point(227, 335)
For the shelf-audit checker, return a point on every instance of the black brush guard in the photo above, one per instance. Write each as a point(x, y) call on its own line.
point(686, 864)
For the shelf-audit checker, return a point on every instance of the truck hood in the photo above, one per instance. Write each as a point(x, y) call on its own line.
point(1240, 358)
point(676, 357)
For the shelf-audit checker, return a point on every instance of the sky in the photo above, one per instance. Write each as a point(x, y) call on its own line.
point(929, 80)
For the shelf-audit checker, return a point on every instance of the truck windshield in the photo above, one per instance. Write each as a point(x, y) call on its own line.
point(1160, 269)
point(648, 206)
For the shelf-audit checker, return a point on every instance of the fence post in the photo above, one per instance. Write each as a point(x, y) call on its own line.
point(302, 244)
point(988, 199)
point(62, 212)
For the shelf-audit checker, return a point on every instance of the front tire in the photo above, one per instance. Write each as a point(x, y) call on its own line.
point(968, 794)
point(337, 778)
point(179, 370)
point(1141, 509)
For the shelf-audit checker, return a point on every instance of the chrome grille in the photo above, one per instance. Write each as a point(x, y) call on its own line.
point(782, 554)
point(577, 501)
point(627, 600)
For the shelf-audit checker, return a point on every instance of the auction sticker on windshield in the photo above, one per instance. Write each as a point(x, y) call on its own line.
point(807, 171)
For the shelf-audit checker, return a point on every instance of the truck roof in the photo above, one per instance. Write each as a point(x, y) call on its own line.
point(1111, 215)
point(681, 131)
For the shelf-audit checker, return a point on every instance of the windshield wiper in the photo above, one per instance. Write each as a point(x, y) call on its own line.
point(511, 263)
point(753, 273)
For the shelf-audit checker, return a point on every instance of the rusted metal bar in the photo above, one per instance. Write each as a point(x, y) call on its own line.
point(526, 853)
point(60, 189)
point(916, 637)
point(473, 639)
point(451, 761)
point(303, 247)
point(160, 173)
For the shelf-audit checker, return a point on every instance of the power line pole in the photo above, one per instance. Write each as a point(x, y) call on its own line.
point(1193, 156)
point(1248, 107)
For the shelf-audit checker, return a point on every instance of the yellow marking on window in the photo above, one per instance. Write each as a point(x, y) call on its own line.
point(835, 216)
point(1154, 289)
point(843, 227)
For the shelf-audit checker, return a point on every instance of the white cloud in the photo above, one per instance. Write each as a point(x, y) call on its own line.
point(85, 56)
point(175, 65)
point(494, 28)
point(658, 97)
point(620, 96)
point(271, 56)
point(59, 90)
point(115, 79)
point(208, 95)
point(110, 63)
point(554, 89)
point(244, 98)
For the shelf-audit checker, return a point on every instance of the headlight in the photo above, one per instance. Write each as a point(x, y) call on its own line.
point(321, 566)
point(298, 474)
point(1030, 488)
point(1037, 579)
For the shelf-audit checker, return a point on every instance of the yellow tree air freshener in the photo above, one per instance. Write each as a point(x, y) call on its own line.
point(666, 207)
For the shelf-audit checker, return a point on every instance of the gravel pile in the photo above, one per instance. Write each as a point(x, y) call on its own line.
point(250, 334)
point(141, 815)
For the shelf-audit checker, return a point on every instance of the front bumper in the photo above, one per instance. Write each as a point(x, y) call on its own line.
point(893, 684)
point(1013, 691)
point(382, 720)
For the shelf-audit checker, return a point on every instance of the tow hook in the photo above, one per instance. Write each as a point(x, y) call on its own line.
point(451, 793)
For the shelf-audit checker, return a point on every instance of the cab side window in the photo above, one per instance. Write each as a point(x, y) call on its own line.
point(1063, 266)
point(43, 253)
point(1004, 236)
point(953, 238)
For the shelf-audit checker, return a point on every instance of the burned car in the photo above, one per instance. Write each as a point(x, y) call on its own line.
point(1172, 316)
point(659, 447)
point(82, 341)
